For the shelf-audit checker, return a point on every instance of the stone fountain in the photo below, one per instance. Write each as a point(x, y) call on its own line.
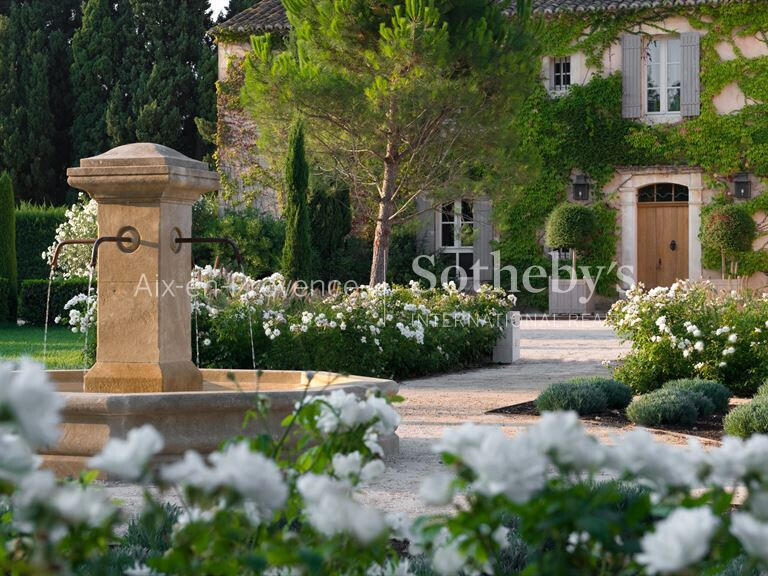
point(144, 371)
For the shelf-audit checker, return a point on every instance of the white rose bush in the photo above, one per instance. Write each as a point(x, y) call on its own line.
point(550, 500)
point(691, 330)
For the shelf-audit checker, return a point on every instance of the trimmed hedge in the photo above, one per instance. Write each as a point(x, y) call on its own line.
point(674, 406)
point(763, 390)
point(35, 232)
point(584, 396)
point(4, 316)
point(718, 394)
point(748, 419)
point(34, 294)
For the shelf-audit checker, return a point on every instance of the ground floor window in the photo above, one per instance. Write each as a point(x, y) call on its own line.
point(456, 234)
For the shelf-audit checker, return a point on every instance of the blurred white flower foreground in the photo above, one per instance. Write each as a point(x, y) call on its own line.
point(257, 506)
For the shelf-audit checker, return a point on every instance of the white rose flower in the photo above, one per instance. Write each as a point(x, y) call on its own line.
point(346, 465)
point(127, 459)
point(33, 401)
point(679, 541)
point(448, 560)
point(752, 534)
point(16, 458)
point(372, 471)
point(437, 489)
point(82, 505)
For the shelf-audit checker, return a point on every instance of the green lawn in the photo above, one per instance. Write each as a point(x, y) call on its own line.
point(64, 348)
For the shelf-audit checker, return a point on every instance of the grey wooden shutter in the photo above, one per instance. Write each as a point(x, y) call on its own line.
point(551, 72)
point(426, 225)
point(690, 90)
point(483, 235)
point(632, 76)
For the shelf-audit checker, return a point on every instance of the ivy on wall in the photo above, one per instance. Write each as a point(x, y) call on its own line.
point(584, 130)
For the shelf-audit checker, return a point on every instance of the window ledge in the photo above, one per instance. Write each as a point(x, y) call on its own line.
point(662, 117)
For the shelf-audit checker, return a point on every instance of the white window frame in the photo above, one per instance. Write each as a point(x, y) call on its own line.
point(562, 87)
point(663, 88)
point(456, 248)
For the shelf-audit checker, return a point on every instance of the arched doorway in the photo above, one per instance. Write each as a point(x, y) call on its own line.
point(662, 234)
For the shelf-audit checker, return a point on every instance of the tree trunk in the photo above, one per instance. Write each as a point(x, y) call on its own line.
point(382, 235)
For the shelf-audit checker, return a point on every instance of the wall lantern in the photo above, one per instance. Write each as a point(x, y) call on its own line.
point(580, 187)
point(742, 186)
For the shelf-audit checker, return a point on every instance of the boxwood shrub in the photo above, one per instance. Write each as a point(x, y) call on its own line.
point(578, 395)
point(748, 419)
point(35, 232)
point(718, 394)
point(674, 406)
point(34, 294)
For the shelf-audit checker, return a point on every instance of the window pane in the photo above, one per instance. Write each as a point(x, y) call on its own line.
point(681, 193)
point(673, 75)
point(673, 100)
point(673, 51)
point(652, 52)
point(447, 212)
point(654, 101)
point(466, 260)
point(645, 194)
point(664, 193)
point(447, 232)
point(466, 211)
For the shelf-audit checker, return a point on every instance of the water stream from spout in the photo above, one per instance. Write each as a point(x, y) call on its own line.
point(197, 335)
point(86, 319)
point(250, 323)
point(47, 312)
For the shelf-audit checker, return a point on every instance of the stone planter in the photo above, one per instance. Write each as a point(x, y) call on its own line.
point(576, 300)
point(507, 348)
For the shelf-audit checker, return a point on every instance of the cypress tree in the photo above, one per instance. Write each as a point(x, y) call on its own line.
point(297, 252)
point(35, 96)
point(8, 240)
point(95, 49)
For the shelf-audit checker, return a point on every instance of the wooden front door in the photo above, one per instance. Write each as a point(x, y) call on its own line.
point(662, 243)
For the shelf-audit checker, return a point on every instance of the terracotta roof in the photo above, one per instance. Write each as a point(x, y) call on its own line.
point(269, 15)
point(560, 6)
point(264, 16)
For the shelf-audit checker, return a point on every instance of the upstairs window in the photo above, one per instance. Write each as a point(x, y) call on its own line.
point(561, 74)
point(662, 64)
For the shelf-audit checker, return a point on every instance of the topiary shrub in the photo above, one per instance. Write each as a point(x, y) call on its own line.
point(748, 419)
point(665, 406)
point(717, 394)
point(580, 396)
point(4, 300)
point(727, 229)
point(570, 226)
point(763, 390)
point(8, 243)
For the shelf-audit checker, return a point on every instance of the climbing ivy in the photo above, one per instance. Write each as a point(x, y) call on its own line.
point(584, 130)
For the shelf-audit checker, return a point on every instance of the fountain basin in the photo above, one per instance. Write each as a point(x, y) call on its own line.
point(199, 420)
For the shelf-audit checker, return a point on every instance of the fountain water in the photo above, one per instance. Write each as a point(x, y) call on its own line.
point(144, 371)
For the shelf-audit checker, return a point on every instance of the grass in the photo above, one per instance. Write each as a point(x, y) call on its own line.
point(65, 349)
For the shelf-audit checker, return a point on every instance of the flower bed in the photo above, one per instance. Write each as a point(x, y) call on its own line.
point(387, 331)
point(690, 330)
point(260, 506)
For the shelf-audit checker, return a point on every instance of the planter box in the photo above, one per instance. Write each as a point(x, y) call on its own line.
point(577, 300)
point(507, 348)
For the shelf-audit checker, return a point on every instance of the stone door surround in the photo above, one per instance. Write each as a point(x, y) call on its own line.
point(634, 178)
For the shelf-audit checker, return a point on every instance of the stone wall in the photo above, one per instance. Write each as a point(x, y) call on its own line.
point(237, 156)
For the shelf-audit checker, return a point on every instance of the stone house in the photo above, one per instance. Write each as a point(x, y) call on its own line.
point(658, 207)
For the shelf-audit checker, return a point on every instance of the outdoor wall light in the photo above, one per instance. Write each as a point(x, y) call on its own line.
point(580, 187)
point(742, 186)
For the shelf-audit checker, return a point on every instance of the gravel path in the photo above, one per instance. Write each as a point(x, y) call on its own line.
point(550, 351)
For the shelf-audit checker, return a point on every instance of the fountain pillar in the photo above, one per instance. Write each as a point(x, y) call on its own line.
point(144, 329)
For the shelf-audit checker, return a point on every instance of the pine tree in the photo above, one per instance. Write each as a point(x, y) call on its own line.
point(297, 251)
point(8, 241)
